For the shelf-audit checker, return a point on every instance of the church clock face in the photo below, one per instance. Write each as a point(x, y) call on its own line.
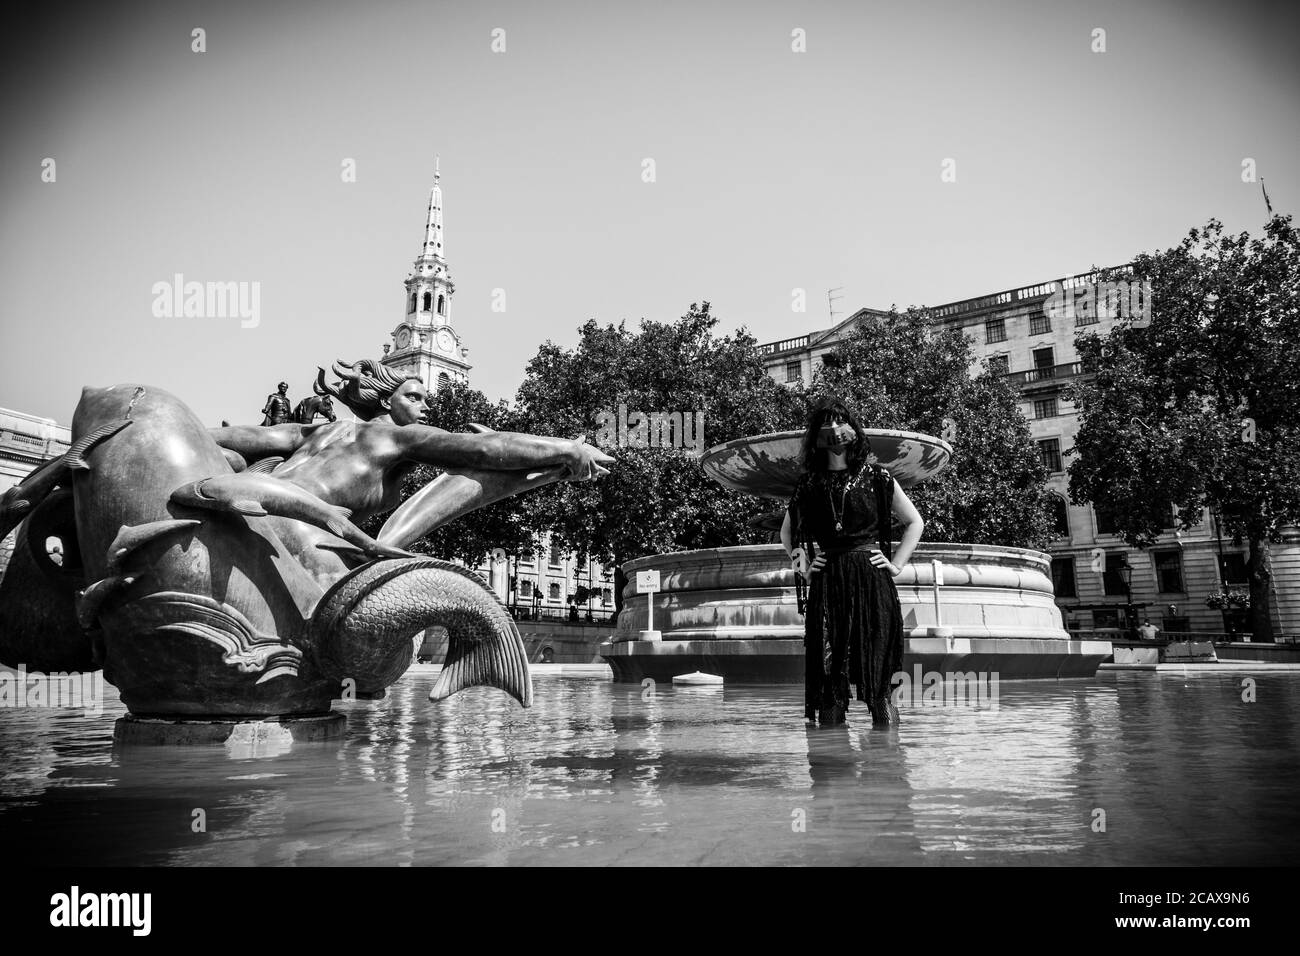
point(403, 338)
point(445, 340)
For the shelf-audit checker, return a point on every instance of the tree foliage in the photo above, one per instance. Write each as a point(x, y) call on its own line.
point(656, 499)
point(1201, 409)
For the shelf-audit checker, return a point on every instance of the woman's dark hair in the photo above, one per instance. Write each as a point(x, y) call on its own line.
point(814, 458)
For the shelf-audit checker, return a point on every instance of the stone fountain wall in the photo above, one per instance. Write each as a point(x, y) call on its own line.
point(733, 611)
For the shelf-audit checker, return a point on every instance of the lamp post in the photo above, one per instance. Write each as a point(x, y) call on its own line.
point(514, 589)
point(1125, 572)
point(591, 586)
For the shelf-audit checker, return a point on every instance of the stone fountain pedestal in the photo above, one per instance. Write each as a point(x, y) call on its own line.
point(733, 612)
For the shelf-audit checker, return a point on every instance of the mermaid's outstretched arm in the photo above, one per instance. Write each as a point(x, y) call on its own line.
point(460, 490)
point(453, 494)
point(499, 451)
point(261, 441)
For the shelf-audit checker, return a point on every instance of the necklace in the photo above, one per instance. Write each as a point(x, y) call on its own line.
point(830, 495)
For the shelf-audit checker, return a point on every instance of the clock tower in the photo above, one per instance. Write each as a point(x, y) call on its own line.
point(425, 342)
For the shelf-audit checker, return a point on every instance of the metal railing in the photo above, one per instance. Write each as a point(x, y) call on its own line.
point(546, 615)
point(1048, 373)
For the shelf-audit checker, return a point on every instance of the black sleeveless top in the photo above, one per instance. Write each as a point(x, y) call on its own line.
point(839, 511)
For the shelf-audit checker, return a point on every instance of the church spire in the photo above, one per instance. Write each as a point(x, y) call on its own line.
point(433, 225)
point(426, 342)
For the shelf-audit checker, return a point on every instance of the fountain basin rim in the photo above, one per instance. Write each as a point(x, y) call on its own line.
point(798, 433)
point(924, 546)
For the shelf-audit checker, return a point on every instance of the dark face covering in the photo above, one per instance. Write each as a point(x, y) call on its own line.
point(835, 435)
point(835, 430)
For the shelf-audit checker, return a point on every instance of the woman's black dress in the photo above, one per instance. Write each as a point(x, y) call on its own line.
point(853, 624)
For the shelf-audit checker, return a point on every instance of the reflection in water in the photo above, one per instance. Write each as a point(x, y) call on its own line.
point(597, 774)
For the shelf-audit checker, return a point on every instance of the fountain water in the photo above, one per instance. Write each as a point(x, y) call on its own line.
point(733, 611)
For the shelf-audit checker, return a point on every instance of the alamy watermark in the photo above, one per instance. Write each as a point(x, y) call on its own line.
point(208, 300)
point(624, 429)
point(77, 909)
point(61, 689)
point(1093, 301)
point(978, 689)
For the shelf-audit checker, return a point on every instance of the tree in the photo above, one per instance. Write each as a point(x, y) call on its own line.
point(656, 499)
point(1201, 408)
point(901, 372)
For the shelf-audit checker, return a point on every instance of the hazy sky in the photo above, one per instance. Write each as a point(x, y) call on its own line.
point(775, 170)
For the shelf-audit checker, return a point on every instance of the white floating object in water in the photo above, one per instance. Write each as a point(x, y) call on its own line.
point(698, 678)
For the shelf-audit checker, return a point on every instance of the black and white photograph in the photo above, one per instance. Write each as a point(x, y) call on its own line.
point(680, 434)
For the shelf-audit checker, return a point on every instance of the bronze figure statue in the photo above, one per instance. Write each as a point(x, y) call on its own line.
point(219, 573)
point(305, 412)
point(276, 409)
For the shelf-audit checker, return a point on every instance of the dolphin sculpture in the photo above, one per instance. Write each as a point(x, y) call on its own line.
point(203, 596)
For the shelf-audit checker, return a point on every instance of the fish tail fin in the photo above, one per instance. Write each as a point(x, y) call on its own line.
point(501, 662)
point(75, 457)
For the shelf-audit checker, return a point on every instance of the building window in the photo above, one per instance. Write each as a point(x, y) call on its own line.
point(526, 589)
point(1044, 364)
point(1105, 520)
point(1063, 577)
point(995, 330)
point(1060, 517)
point(1105, 618)
point(606, 596)
point(1084, 312)
point(556, 555)
point(554, 593)
point(443, 380)
point(1111, 581)
point(1049, 449)
point(428, 302)
point(1045, 407)
point(1039, 322)
point(412, 307)
point(442, 304)
point(793, 372)
point(999, 365)
point(1169, 571)
point(1232, 569)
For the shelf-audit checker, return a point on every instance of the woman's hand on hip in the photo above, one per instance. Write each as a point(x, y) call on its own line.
point(879, 560)
point(818, 563)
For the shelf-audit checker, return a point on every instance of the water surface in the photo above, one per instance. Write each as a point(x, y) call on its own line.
point(598, 773)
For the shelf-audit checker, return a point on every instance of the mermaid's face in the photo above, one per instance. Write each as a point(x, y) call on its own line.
point(406, 405)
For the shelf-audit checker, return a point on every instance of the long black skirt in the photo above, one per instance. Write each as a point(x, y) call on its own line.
point(853, 633)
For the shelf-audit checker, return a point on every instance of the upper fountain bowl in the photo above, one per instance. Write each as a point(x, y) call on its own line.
point(769, 465)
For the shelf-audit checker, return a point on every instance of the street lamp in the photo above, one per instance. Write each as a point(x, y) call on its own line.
point(1125, 572)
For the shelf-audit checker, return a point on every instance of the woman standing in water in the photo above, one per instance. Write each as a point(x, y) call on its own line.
point(839, 514)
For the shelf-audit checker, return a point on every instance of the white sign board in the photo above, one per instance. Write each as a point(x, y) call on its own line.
point(647, 582)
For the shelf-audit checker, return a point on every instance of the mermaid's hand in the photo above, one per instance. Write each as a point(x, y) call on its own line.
point(588, 462)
